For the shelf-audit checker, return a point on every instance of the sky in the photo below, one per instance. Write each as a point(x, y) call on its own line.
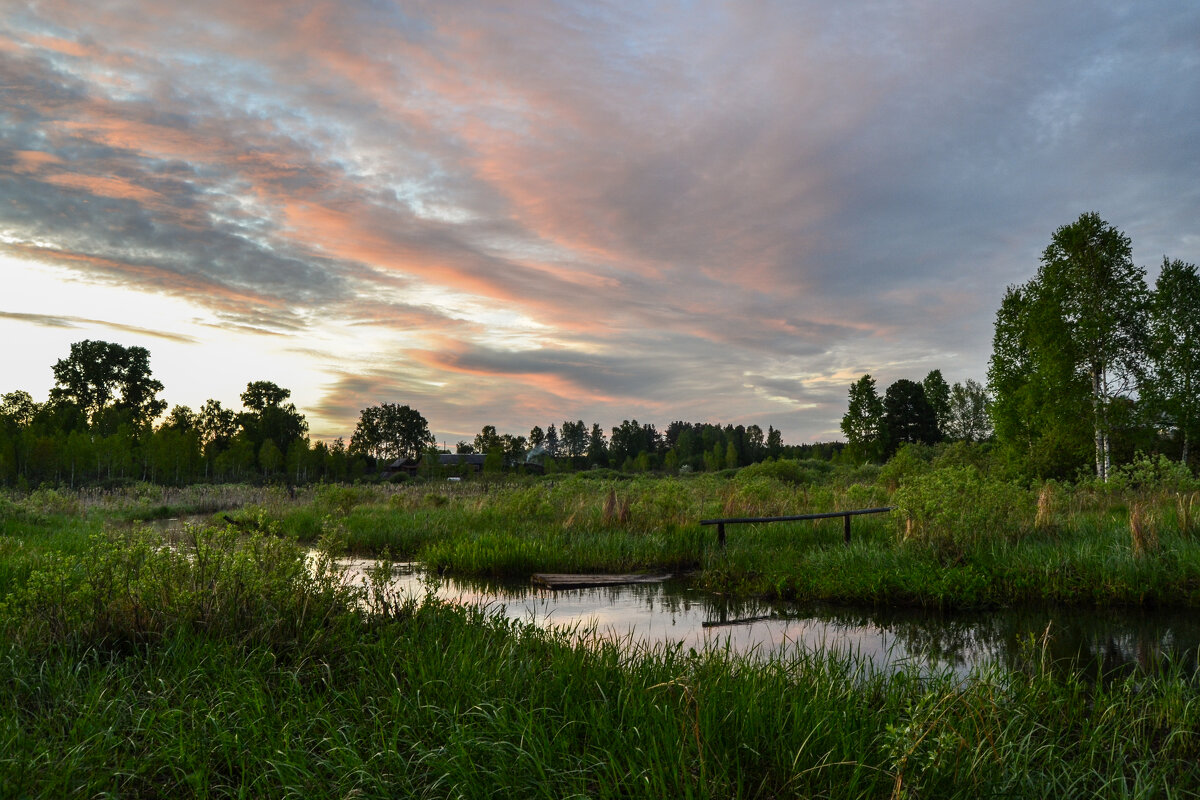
point(515, 214)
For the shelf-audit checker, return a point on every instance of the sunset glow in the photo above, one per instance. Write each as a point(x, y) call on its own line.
point(516, 215)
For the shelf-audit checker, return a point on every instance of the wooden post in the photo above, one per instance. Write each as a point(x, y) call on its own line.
point(846, 529)
point(721, 534)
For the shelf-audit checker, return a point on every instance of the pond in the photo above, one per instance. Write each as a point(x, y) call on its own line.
point(1085, 641)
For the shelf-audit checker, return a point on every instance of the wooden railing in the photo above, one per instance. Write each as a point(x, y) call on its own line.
point(846, 515)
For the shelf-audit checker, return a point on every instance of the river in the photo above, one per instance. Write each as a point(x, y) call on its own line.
point(1088, 642)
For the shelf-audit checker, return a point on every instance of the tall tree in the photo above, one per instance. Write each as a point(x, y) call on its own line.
point(537, 437)
point(1089, 277)
point(968, 417)
point(1172, 385)
point(937, 392)
point(775, 441)
point(100, 376)
point(574, 437)
point(863, 421)
point(907, 416)
point(390, 431)
point(488, 440)
point(597, 451)
point(267, 417)
point(1040, 402)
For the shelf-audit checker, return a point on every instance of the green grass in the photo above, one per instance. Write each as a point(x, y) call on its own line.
point(957, 541)
point(224, 667)
point(981, 548)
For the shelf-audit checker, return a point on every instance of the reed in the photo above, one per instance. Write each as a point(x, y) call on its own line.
point(1185, 505)
point(274, 681)
point(972, 542)
point(1045, 519)
point(1143, 535)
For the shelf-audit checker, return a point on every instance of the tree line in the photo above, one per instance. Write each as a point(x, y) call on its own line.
point(914, 413)
point(1089, 367)
point(104, 424)
point(641, 447)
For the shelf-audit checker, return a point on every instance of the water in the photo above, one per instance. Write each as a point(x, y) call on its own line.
point(1088, 642)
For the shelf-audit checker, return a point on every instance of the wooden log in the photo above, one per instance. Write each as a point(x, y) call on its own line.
point(561, 581)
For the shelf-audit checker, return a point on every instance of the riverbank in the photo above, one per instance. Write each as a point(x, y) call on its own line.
point(224, 666)
point(957, 539)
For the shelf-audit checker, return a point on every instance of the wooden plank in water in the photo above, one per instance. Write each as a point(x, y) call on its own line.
point(559, 581)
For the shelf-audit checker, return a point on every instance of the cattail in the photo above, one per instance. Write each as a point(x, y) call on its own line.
point(1141, 529)
point(610, 506)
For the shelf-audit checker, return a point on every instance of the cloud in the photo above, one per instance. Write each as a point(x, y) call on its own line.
point(50, 321)
point(570, 209)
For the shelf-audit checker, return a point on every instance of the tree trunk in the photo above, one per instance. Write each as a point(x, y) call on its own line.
point(1100, 424)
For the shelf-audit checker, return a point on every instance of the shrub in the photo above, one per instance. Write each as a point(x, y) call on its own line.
point(955, 505)
point(1148, 473)
point(910, 460)
point(784, 471)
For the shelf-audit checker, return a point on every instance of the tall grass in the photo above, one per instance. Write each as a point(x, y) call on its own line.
point(226, 667)
point(958, 539)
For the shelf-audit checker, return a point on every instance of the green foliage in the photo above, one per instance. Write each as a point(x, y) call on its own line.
point(909, 460)
point(956, 507)
point(1150, 473)
point(1172, 384)
point(101, 377)
point(908, 416)
point(863, 421)
point(319, 696)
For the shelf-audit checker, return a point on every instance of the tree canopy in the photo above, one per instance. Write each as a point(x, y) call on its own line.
point(98, 377)
point(1067, 343)
point(391, 431)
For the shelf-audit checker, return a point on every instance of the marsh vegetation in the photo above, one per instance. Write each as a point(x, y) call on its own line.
point(211, 659)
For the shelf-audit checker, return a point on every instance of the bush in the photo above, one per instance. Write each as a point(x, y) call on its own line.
point(1152, 474)
point(910, 460)
point(956, 506)
point(784, 471)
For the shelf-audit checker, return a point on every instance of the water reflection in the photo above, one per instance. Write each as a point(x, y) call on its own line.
point(1089, 643)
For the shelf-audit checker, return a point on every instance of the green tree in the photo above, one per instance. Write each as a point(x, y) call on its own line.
point(18, 409)
point(1040, 402)
point(1089, 278)
point(270, 458)
point(863, 421)
point(1172, 386)
point(488, 440)
point(390, 431)
point(217, 426)
point(907, 416)
point(98, 377)
point(515, 448)
point(968, 419)
point(597, 452)
point(267, 417)
point(775, 440)
point(1067, 344)
point(574, 438)
point(537, 437)
point(937, 392)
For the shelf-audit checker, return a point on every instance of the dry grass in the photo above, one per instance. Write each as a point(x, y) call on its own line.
point(1045, 519)
point(1185, 505)
point(1142, 530)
